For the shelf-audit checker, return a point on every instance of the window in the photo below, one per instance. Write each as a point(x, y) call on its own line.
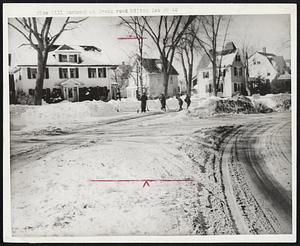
point(235, 71)
point(209, 88)
point(224, 72)
point(92, 72)
point(240, 71)
point(62, 58)
point(237, 58)
point(102, 72)
point(47, 73)
point(63, 73)
point(205, 75)
point(72, 58)
point(258, 62)
point(235, 87)
point(268, 74)
point(74, 73)
point(31, 73)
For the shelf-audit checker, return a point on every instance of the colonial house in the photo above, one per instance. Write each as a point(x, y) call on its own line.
point(232, 77)
point(271, 68)
point(73, 72)
point(152, 79)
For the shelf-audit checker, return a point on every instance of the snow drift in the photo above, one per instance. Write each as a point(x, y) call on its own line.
point(242, 104)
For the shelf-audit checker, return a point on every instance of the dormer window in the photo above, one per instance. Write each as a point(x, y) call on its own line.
point(238, 58)
point(63, 58)
point(73, 58)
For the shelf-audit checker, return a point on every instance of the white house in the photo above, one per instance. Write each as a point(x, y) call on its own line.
point(152, 79)
point(75, 73)
point(266, 65)
point(232, 78)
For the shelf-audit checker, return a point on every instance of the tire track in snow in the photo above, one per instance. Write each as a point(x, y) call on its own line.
point(262, 200)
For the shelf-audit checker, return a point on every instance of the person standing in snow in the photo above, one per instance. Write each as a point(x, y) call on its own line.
point(162, 100)
point(144, 99)
point(187, 100)
point(118, 94)
point(180, 102)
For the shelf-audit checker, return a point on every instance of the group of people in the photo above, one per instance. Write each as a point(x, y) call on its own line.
point(162, 100)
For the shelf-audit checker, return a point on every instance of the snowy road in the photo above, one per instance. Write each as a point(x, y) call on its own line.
point(233, 160)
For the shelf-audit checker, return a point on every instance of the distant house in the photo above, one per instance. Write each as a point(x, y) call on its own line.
point(75, 73)
point(120, 76)
point(232, 77)
point(152, 79)
point(271, 68)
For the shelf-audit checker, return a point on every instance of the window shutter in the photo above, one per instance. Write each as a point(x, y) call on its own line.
point(89, 72)
point(47, 73)
point(60, 73)
point(28, 73)
point(77, 72)
point(104, 72)
point(59, 58)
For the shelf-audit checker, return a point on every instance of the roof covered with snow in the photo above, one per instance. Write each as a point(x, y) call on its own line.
point(89, 56)
point(277, 62)
point(227, 55)
point(151, 65)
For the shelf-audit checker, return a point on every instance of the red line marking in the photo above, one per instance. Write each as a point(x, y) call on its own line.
point(145, 181)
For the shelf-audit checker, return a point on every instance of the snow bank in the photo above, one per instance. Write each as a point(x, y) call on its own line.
point(277, 102)
point(241, 104)
point(58, 115)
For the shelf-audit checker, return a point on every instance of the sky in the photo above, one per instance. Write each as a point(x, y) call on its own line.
point(258, 31)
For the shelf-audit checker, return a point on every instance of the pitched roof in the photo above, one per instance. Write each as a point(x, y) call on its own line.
point(266, 54)
point(65, 47)
point(277, 62)
point(151, 66)
point(89, 56)
point(227, 60)
point(228, 54)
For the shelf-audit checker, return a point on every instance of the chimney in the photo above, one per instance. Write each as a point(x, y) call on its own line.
point(123, 63)
point(264, 49)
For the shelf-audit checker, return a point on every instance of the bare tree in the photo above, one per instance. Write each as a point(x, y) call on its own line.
point(166, 32)
point(246, 50)
point(39, 37)
point(187, 49)
point(219, 73)
point(137, 26)
point(209, 42)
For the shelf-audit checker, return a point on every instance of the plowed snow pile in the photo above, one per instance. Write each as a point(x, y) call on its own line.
point(241, 104)
point(58, 115)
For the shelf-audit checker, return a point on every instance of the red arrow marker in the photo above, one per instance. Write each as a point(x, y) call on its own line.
point(146, 183)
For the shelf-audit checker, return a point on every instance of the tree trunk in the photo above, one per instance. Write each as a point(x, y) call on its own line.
point(190, 78)
point(42, 59)
point(214, 76)
point(165, 75)
point(166, 80)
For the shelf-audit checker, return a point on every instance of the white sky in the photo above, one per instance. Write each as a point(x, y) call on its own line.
point(269, 31)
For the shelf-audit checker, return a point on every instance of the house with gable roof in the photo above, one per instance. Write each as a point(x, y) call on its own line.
point(232, 77)
point(153, 79)
point(271, 68)
point(73, 72)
